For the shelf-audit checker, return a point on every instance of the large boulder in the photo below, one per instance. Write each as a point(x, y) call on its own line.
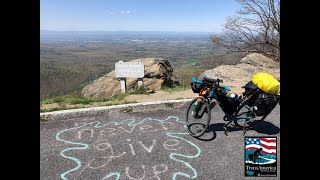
point(158, 73)
point(245, 69)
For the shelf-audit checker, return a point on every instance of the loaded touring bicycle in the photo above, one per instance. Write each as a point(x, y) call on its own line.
point(246, 110)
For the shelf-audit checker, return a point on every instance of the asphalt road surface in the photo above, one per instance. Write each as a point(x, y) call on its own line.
point(147, 145)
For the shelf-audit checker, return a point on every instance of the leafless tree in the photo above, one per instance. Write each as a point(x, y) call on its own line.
point(254, 28)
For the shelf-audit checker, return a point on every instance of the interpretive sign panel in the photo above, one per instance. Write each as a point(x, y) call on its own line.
point(129, 69)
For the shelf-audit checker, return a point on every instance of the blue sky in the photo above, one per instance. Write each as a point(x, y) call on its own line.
point(135, 15)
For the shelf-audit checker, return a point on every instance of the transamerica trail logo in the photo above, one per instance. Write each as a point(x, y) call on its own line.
point(260, 156)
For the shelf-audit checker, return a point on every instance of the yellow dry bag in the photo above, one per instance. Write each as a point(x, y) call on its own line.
point(267, 83)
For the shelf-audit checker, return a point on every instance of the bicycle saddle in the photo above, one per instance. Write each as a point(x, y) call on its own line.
point(250, 85)
point(209, 80)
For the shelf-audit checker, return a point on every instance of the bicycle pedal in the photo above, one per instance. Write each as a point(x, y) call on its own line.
point(225, 130)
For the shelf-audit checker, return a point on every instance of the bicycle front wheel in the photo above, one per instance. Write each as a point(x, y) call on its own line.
point(198, 122)
point(245, 117)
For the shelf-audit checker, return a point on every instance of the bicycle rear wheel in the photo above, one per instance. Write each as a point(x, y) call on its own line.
point(246, 117)
point(198, 124)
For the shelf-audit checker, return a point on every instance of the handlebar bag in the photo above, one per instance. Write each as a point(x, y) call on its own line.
point(196, 87)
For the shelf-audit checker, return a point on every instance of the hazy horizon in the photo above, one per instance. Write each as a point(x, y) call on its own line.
point(102, 36)
point(169, 31)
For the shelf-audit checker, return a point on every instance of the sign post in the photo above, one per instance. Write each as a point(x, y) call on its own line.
point(129, 69)
point(123, 85)
point(140, 82)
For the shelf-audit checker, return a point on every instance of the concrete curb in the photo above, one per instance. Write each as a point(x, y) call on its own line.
point(94, 111)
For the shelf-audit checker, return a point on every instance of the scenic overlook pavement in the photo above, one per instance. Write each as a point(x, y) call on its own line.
point(149, 144)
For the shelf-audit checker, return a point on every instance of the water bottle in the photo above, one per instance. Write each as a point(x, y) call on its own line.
point(196, 106)
point(234, 102)
point(233, 96)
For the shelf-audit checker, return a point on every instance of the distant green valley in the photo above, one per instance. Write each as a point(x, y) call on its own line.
point(69, 61)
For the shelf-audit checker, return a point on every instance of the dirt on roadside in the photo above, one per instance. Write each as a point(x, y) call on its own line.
point(138, 98)
point(186, 94)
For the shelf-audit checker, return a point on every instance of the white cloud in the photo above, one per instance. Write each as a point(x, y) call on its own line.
point(112, 11)
point(125, 12)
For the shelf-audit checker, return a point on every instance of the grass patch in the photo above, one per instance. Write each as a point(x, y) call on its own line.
point(55, 109)
point(136, 91)
point(60, 108)
point(71, 100)
point(77, 99)
point(127, 109)
point(175, 89)
point(179, 98)
point(170, 105)
point(43, 119)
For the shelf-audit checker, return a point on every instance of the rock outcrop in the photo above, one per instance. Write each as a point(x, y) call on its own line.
point(245, 69)
point(158, 73)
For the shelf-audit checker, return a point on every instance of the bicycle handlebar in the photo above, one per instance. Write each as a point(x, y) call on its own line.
point(219, 80)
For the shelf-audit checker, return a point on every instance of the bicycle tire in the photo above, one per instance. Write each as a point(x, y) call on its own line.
point(205, 109)
point(254, 121)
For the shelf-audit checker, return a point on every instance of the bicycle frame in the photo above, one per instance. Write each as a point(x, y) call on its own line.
point(246, 117)
point(250, 110)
